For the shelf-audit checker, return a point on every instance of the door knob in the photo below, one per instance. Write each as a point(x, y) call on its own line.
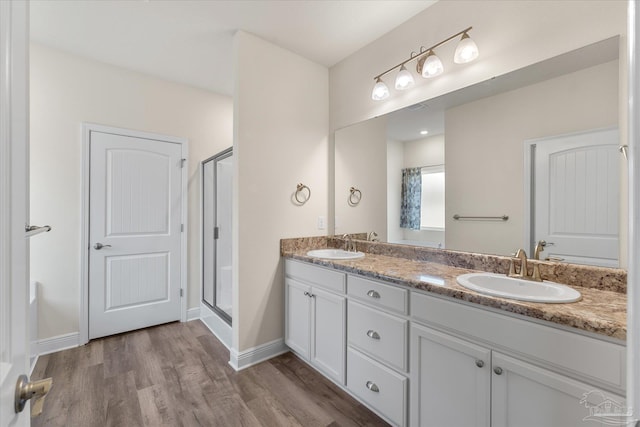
point(99, 246)
point(26, 390)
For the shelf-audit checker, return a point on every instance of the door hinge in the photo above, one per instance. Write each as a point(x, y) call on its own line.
point(216, 233)
point(182, 162)
point(181, 292)
point(182, 228)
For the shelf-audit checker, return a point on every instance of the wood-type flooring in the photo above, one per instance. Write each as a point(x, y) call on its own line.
point(178, 375)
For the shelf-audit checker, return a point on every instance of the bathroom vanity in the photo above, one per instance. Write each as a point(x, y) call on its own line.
point(401, 336)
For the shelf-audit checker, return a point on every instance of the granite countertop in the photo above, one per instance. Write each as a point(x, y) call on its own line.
point(599, 311)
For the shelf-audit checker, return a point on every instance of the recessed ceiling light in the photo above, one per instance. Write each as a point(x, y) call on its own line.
point(424, 132)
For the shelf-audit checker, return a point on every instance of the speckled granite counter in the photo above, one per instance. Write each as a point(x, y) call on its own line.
point(600, 311)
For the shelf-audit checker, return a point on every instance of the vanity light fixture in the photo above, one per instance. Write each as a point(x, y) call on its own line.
point(431, 65)
point(466, 51)
point(380, 90)
point(428, 64)
point(404, 79)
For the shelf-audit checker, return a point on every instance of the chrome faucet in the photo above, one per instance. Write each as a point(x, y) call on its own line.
point(524, 273)
point(349, 244)
point(372, 236)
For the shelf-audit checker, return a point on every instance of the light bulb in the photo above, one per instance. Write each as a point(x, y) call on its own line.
point(380, 90)
point(432, 66)
point(404, 79)
point(466, 51)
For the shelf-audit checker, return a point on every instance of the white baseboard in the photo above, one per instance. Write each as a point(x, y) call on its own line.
point(193, 314)
point(216, 325)
point(61, 342)
point(255, 355)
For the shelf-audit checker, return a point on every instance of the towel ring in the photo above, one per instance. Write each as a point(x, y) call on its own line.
point(355, 196)
point(299, 189)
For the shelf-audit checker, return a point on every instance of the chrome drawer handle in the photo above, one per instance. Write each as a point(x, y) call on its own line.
point(373, 334)
point(373, 387)
point(479, 363)
point(497, 370)
point(373, 294)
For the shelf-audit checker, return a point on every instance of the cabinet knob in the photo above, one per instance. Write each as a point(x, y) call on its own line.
point(373, 387)
point(373, 334)
point(479, 363)
point(373, 294)
point(497, 370)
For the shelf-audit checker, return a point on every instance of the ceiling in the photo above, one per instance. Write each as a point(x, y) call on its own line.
point(191, 41)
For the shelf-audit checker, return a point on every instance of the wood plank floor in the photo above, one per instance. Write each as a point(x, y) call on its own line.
point(178, 375)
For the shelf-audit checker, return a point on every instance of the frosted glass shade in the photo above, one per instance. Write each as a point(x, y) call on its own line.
point(404, 79)
point(432, 66)
point(380, 91)
point(466, 51)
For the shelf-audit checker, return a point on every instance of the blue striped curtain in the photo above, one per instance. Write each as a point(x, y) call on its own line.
point(411, 198)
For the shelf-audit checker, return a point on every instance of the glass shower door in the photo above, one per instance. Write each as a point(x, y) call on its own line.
point(217, 194)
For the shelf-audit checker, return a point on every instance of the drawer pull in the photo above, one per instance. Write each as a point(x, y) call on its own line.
point(307, 294)
point(373, 334)
point(497, 370)
point(373, 294)
point(373, 387)
point(479, 363)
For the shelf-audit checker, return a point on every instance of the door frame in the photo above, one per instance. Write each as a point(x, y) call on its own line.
point(87, 128)
point(529, 191)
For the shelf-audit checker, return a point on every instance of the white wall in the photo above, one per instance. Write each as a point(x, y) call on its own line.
point(361, 162)
point(280, 139)
point(509, 34)
point(67, 90)
point(481, 154)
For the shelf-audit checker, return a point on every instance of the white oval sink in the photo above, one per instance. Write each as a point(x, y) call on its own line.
point(335, 254)
point(502, 286)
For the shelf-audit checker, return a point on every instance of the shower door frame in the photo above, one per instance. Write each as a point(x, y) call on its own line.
point(214, 307)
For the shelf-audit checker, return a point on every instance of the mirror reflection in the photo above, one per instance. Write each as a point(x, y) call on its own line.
point(525, 157)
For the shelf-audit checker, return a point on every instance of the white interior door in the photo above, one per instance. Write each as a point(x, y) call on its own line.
point(577, 197)
point(135, 206)
point(14, 199)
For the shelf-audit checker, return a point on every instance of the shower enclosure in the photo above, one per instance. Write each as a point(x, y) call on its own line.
point(217, 176)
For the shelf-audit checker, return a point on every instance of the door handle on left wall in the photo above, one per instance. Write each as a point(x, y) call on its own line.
point(99, 246)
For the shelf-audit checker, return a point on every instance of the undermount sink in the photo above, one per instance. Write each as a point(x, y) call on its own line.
point(335, 254)
point(502, 286)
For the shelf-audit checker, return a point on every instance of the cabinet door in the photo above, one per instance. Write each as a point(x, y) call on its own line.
point(297, 334)
point(526, 395)
point(450, 380)
point(328, 340)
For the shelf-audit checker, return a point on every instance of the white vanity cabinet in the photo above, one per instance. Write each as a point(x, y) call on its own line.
point(422, 360)
point(523, 394)
point(450, 380)
point(523, 373)
point(315, 319)
point(377, 354)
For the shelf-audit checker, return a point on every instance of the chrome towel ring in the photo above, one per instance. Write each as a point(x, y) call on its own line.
point(299, 191)
point(355, 196)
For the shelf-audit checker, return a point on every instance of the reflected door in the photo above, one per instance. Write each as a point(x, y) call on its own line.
point(217, 194)
point(577, 195)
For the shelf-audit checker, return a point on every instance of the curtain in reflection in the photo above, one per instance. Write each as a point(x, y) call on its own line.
point(411, 198)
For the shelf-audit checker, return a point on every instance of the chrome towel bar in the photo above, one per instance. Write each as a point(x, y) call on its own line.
point(499, 218)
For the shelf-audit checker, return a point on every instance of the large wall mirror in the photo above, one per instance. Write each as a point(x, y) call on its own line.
point(527, 156)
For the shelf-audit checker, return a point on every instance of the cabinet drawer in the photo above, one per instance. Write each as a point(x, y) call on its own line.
point(381, 335)
point(590, 358)
point(328, 279)
point(380, 387)
point(378, 294)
